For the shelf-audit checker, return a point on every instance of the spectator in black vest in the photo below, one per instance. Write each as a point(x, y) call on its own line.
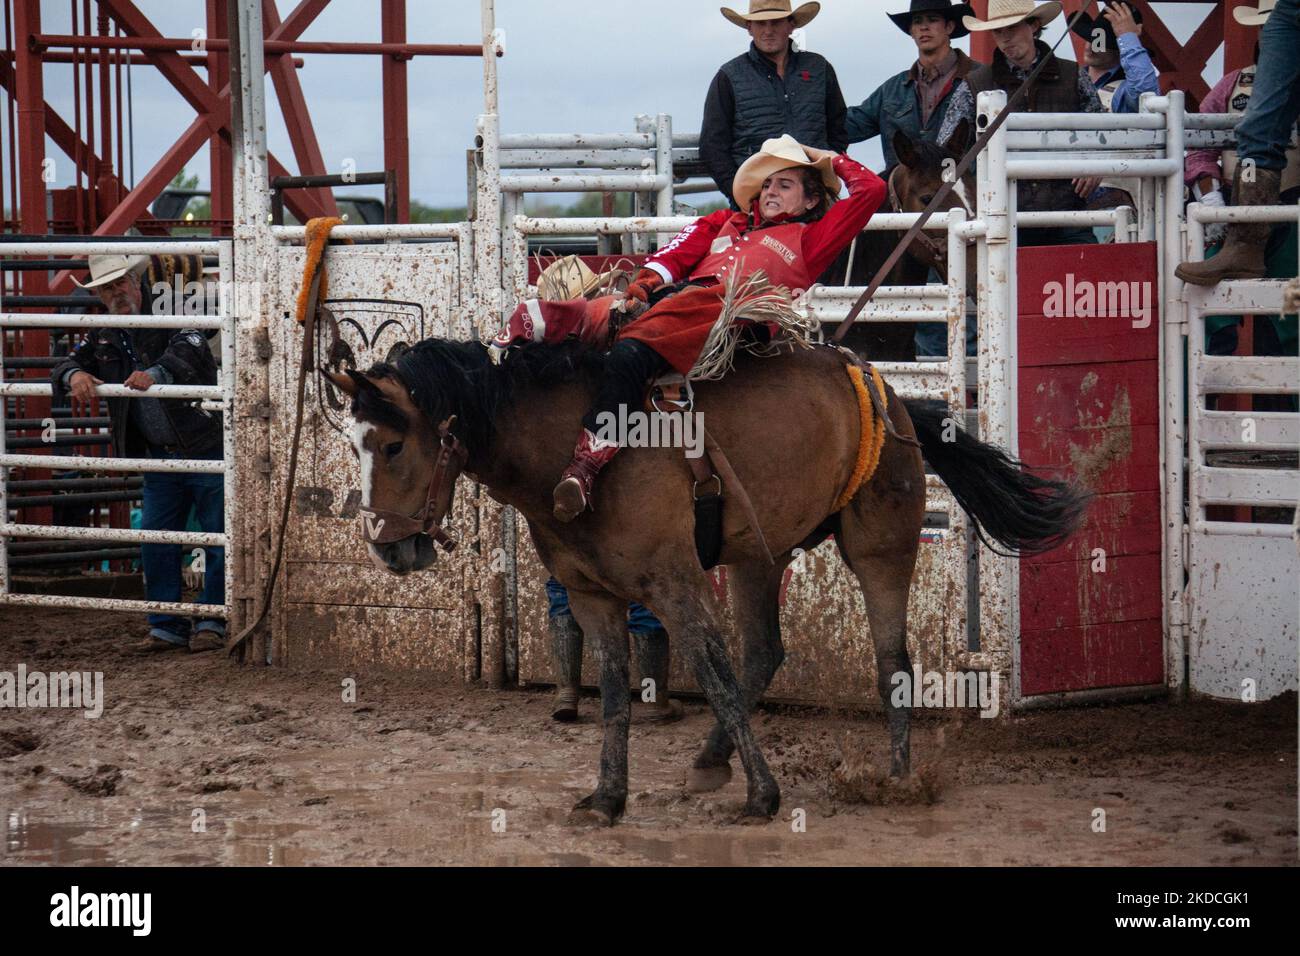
point(770, 90)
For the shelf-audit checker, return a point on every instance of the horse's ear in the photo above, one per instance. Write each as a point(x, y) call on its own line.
point(344, 383)
point(905, 150)
point(959, 141)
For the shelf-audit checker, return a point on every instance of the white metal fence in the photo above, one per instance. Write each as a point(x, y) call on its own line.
point(217, 397)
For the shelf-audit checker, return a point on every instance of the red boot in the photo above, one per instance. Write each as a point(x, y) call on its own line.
point(573, 494)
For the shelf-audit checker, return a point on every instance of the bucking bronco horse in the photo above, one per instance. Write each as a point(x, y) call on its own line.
point(791, 427)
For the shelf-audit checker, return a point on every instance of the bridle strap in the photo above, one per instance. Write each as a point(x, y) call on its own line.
point(384, 527)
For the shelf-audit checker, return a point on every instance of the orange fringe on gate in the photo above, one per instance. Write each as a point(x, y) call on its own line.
point(318, 233)
point(873, 435)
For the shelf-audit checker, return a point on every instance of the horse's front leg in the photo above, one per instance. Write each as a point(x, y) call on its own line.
point(604, 618)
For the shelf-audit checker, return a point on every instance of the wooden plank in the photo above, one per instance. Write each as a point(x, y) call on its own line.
point(1125, 654)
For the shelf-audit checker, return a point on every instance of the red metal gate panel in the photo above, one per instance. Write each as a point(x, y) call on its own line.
point(1089, 404)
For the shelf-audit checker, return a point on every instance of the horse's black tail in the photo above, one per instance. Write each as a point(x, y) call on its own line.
point(1021, 511)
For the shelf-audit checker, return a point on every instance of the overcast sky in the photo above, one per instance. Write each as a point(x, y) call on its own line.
point(569, 67)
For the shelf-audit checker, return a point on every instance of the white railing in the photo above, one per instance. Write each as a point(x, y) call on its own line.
point(218, 398)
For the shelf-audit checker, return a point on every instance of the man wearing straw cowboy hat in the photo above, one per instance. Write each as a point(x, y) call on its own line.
point(157, 428)
point(1263, 165)
point(914, 101)
point(769, 90)
point(1061, 87)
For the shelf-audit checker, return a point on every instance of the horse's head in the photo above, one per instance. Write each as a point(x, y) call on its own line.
point(923, 169)
point(409, 466)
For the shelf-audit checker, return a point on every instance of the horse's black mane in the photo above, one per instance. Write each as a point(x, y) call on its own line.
point(457, 378)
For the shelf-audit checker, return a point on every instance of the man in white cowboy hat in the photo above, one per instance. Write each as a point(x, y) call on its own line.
point(769, 90)
point(915, 100)
point(1061, 87)
point(157, 428)
point(1265, 167)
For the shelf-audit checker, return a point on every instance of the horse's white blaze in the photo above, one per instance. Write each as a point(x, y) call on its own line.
point(359, 432)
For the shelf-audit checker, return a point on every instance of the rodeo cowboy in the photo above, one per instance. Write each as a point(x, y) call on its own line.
point(792, 229)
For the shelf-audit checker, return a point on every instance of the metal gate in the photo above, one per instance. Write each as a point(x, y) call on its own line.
point(1243, 573)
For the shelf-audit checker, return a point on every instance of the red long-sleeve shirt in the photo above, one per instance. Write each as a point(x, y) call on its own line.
point(820, 241)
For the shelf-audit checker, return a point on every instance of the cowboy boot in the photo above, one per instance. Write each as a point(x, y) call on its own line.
point(573, 494)
point(566, 648)
point(652, 662)
point(1242, 255)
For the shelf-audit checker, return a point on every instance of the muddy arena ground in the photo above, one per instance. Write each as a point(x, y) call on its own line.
point(413, 773)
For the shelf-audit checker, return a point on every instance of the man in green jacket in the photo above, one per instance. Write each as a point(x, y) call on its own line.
point(914, 103)
point(915, 100)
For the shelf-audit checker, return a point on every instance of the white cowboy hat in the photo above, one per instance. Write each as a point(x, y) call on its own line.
point(570, 278)
point(784, 152)
point(1006, 13)
point(1253, 16)
point(772, 10)
point(110, 267)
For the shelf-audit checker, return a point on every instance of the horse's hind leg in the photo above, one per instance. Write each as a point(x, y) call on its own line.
point(754, 589)
point(878, 539)
point(689, 612)
point(604, 617)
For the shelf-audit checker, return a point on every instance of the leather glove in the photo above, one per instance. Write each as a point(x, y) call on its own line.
point(643, 283)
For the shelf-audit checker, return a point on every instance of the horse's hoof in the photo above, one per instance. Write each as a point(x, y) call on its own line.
point(565, 713)
point(708, 779)
point(598, 809)
point(762, 806)
point(656, 714)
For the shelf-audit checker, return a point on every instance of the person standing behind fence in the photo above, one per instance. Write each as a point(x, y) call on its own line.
point(1265, 160)
point(915, 100)
point(1061, 87)
point(770, 90)
point(157, 428)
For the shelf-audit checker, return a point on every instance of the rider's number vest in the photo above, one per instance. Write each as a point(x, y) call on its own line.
point(777, 250)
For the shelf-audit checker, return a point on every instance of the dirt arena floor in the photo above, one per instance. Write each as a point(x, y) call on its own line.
point(285, 773)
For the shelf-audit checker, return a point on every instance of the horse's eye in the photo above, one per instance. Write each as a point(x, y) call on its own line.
point(927, 199)
point(392, 449)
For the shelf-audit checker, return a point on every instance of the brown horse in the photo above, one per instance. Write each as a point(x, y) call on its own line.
point(790, 425)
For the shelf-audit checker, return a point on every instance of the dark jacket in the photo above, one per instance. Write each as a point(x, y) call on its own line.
point(173, 357)
point(1056, 90)
point(748, 103)
point(894, 107)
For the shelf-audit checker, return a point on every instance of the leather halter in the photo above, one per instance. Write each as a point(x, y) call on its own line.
point(931, 247)
point(384, 527)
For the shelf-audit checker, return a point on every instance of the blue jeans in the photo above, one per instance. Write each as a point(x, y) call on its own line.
point(639, 618)
point(167, 499)
point(1265, 131)
point(932, 337)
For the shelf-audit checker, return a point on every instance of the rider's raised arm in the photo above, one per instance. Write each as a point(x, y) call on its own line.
point(824, 239)
point(676, 260)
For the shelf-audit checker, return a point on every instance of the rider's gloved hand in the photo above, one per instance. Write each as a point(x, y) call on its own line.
point(643, 283)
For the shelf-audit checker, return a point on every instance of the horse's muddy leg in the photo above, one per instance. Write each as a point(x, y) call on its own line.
point(885, 575)
point(604, 618)
point(755, 589)
point(692, 619)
